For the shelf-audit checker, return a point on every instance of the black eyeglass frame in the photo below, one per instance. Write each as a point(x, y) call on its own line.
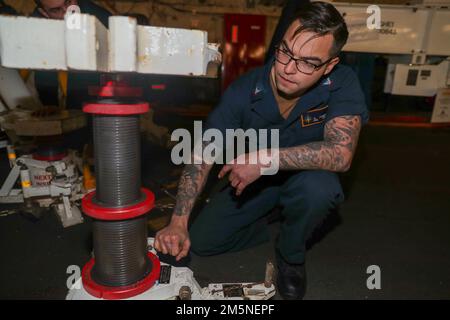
point(316, 67)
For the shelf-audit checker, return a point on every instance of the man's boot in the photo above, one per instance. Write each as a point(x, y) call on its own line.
point(291, 279)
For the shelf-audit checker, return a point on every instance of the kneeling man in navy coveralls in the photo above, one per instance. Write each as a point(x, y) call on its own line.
point(318, 107)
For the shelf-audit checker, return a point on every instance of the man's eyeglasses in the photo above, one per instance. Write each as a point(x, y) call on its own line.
point(303, 65)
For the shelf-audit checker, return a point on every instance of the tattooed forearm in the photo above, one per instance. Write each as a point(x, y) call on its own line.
point(191, 184)
point(334, 153)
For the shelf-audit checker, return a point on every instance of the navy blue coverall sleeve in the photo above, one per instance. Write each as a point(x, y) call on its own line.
point(228, 113)
point(348, 99)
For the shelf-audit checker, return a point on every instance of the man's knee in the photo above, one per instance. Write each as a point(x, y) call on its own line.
point(313, 189)
point(199, 247)
point(204, 243)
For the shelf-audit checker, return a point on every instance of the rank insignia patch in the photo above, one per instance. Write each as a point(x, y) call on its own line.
point(314, 116)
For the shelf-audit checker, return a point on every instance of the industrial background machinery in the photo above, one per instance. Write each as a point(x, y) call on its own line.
point(410, 46)
point(44, 174)
point(415, 38)
point(46, 181)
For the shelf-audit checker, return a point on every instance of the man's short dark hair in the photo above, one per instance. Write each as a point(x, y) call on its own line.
point(322, 18)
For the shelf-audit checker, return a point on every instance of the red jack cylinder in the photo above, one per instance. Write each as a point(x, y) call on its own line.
point(122, 267)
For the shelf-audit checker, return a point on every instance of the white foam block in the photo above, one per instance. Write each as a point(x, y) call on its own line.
point(87, 44)
point(32, 43)
point(122, 44)
point(171, 51)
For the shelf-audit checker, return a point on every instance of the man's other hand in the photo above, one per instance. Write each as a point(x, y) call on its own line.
point(243, 171)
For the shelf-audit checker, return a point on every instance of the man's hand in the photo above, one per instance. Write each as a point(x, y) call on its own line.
point(174, 239)
point(241, 175)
